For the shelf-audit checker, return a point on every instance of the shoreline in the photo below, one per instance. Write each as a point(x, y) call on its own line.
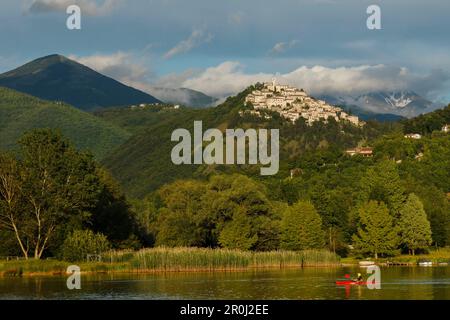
point(58, 272)
point(61, 273)
point(161, 260)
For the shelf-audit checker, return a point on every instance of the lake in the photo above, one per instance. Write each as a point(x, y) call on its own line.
point(296, 284)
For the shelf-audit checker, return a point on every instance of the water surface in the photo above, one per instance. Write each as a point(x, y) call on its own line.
point(297, 284)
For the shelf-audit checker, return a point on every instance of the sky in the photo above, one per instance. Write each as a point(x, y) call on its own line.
point(220, 47)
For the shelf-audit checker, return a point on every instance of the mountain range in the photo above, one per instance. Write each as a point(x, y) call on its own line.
point(182, 96)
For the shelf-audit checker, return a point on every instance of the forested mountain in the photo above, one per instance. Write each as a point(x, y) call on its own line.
point(429, 122)
point(20, 113)
point(57, 78)
point(144, 163)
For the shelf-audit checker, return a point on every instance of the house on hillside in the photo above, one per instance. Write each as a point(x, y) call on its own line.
point(364, 151)
point(446, 128)
point(415, 136)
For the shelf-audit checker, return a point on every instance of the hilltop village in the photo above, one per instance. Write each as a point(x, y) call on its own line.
point(292, 103)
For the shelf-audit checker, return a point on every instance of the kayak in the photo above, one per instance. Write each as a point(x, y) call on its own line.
point(350, 283)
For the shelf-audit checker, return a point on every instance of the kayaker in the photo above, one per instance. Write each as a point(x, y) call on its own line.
point(359, 277)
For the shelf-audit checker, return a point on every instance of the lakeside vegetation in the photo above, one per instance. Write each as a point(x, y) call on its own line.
point(164, 259)
point(176, 260)
point(436, 256)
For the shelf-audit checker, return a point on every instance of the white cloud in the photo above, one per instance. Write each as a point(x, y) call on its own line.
point(281, 47)
point(89, 7)
point(176, 80)
point(120, 66)
point(228, 78)
point(197, 37)
point(223, 80)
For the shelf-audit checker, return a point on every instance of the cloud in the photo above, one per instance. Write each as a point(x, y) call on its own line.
point(281, 47)
point(223, 80)
point(120, 66)
point(89, 7)
point(197, 37)
point(176, 80)
point(229, 78)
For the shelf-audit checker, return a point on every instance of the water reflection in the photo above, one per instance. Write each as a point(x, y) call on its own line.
point(297, 284)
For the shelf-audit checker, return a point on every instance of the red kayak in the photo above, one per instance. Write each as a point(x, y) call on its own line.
point(350, 283)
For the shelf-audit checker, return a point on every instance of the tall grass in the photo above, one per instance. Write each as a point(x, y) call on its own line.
point(177, 259)
point(33, 266)
point(440, 255)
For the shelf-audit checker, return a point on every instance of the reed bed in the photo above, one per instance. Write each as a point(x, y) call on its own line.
point(38, 267)
point(176, 259)
point(179, 259)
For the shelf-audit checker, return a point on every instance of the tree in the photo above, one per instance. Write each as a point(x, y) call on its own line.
point(231, 211)
point(180, 220)
point(301, 228)
point(59, 184)
point(238, 233)
point(382, 183)
point(112, 215)
point(239, 203)
point(414, 226)
point(12, 217)
point(176, 229)
point(376, 233)
point(332, 208)
point(80, 243)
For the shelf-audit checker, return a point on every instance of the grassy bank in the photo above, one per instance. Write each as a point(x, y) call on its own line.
point(436, 256)
point(177, 259)
point(441, 255)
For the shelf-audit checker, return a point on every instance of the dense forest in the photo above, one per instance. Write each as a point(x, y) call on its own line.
point(56, 198)
point(21, 112)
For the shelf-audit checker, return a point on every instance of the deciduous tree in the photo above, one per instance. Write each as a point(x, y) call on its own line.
point(301, 228)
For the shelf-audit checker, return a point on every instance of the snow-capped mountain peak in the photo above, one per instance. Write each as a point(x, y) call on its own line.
point(398, 99)
point(402, 103)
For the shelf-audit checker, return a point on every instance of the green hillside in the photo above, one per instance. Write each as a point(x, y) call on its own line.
point(20, 113)
point(229, 206)
point(429, 122)
point(144, 163)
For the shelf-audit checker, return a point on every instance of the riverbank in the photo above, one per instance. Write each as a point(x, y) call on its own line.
point(175, 260)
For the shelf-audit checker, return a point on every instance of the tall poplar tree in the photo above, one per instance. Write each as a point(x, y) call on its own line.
point(376, 233)
point(414, 226)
